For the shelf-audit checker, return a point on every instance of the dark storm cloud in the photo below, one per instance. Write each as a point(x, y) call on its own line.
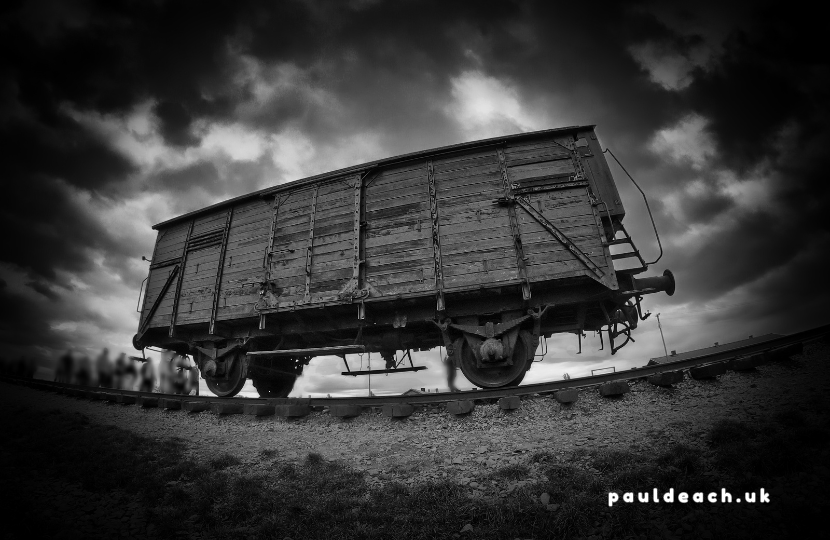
point(22, 323)
point(200, 175)
point(199, 184)
point(772, 74)
point(706, 206)
point(387, 68)
point(389, 64)
point(107, 56)
point(766, 101)
point(725, 262)
point(102, 58)
point(175, 123)
point(43, 289)
point(24, 330)
point(59, 147)
point(46, 230)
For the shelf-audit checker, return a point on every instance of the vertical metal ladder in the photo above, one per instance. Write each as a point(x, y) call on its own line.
point(628, 254)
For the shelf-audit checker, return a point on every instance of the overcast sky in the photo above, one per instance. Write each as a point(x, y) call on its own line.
point(118, 115)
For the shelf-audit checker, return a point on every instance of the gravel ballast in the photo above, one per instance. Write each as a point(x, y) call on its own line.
point(432, 444)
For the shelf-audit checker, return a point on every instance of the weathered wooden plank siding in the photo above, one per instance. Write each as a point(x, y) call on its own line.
point(476, 241)
point(477, 244)
point(570, 211)
point(397, 235)
point(596, 168)
point(171, 243)
point(155, 283)
point(332, 252)
point(169, 248)
point(244, 256)
point(198, 284)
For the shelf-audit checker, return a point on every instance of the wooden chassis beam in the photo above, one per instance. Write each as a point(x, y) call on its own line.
point(316, 351)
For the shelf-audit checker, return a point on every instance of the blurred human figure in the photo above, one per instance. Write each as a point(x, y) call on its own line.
point(165, 372)
point(83, 373)
point(130, 376)
point(180, 368)
point(118, 368)
point(450, 365)
point(105, 369)
point(31, 367)
point(63, 371)
point(192, 385)
point(19, 367)
point(25, 367)
point(566, 377)
point(146, 376)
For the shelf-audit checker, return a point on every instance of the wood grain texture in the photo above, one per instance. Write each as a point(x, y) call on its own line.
point(477, 243)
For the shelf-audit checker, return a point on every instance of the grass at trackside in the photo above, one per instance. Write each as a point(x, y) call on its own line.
point(316, 498)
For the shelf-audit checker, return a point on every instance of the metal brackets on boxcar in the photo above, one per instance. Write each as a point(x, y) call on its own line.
point(444, 326)
point(310, 247)
point(627, 317)
point(559, 235)
point(490, 329)
point(514, 227)
point(440, 306)
point(492, 343)
point(536, 314)
point(353, 291)
point(210, 366)
point(179, 282)
point(269, 291)
point(357, 223)
point(219, 271)
point(146, 324)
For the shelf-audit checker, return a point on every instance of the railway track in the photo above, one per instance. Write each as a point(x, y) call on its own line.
point(351, 406)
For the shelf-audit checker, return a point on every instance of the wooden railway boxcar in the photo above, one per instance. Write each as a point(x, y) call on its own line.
point(482, 247)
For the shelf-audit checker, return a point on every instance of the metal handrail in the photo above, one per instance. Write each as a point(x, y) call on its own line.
point(659, 244)
point(140, 290)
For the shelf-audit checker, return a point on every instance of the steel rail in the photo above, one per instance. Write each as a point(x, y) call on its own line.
point(495, 393)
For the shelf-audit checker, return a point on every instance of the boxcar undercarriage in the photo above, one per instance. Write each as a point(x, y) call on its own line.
point(539, 263)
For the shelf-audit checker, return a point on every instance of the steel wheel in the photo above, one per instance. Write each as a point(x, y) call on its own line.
point(518, 380)
point(500, 376)
point(277, 387)
point(233, 384)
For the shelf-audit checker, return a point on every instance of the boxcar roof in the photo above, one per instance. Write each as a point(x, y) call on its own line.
point(369, 165)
